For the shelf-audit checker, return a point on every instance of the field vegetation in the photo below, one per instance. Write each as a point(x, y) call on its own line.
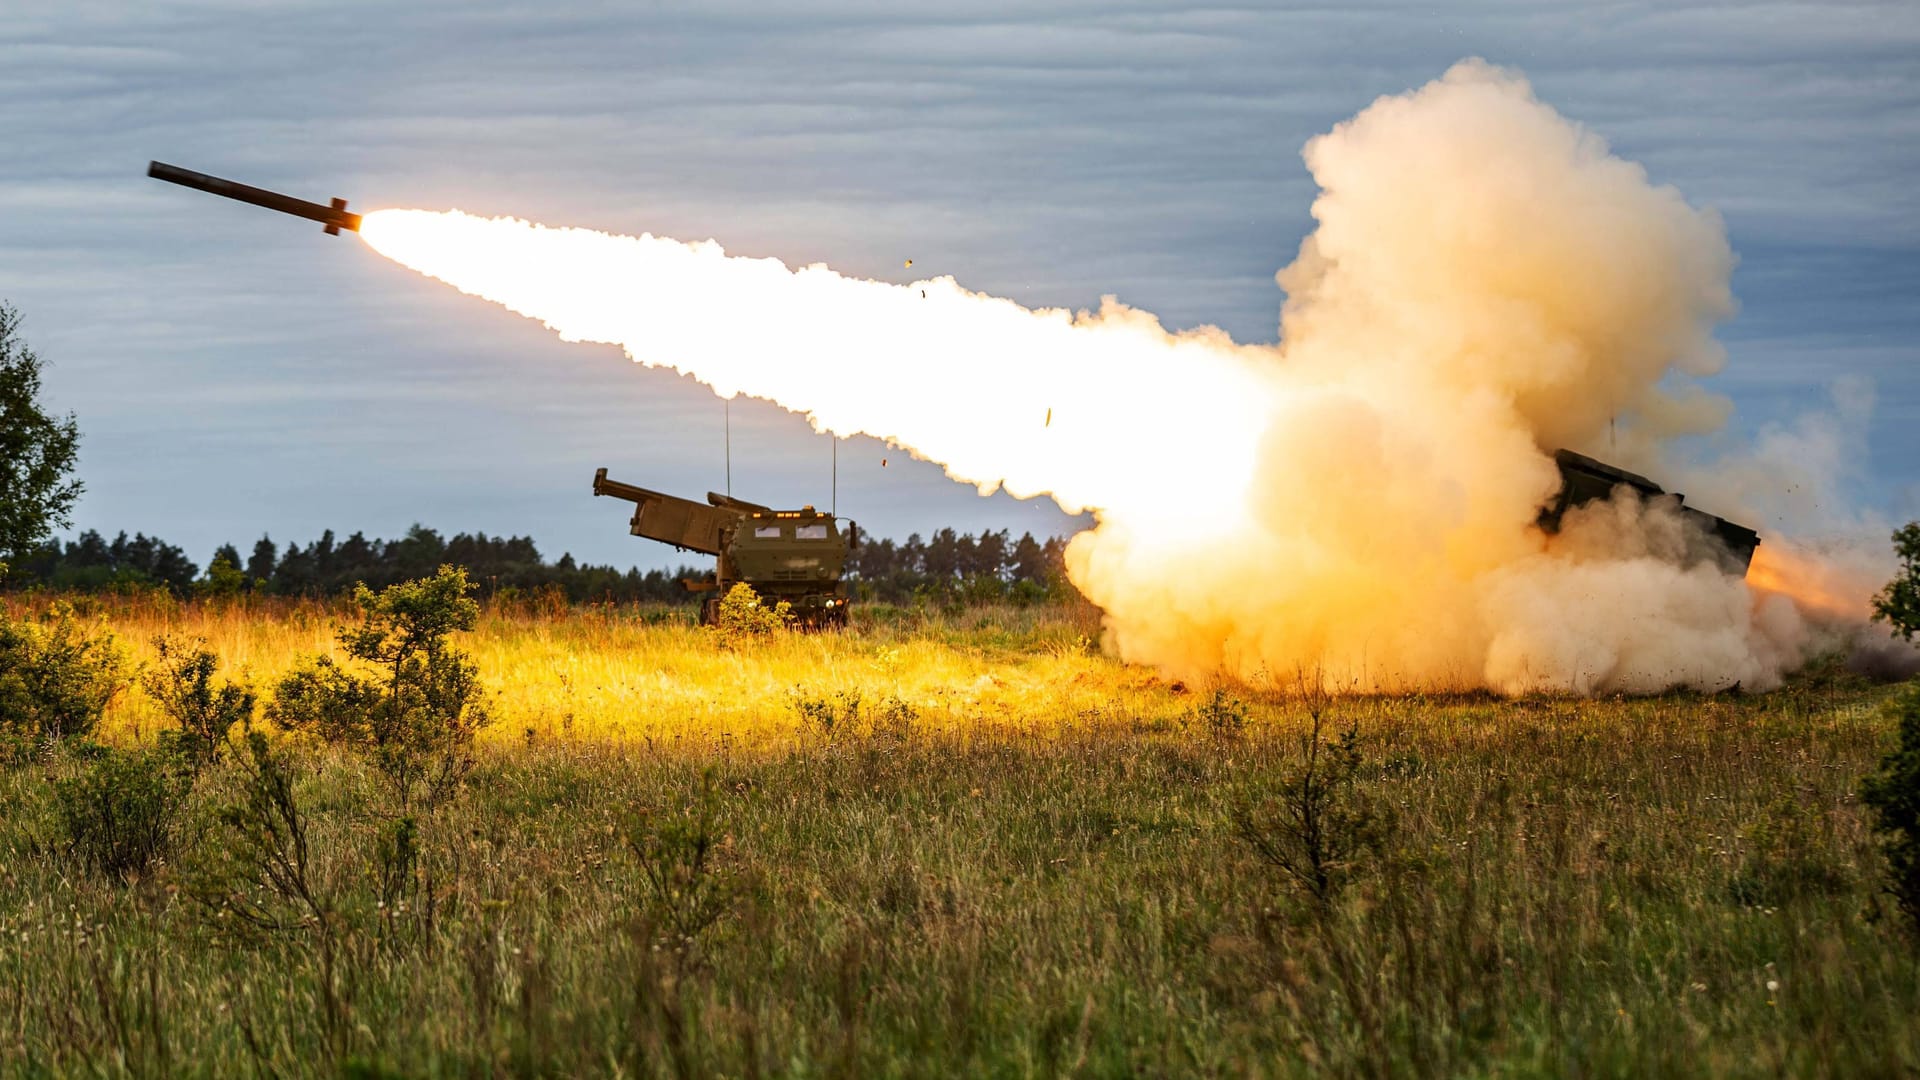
point(940, 843)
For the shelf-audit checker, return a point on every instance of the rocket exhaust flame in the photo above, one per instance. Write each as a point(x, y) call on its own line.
point(1485, 283)
point(959, 377)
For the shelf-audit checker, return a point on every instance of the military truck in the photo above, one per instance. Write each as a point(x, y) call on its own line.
point(799, 556)
point(1584, 480)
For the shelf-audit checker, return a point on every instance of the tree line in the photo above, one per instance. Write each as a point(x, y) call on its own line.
point(946, 566)
point(328, 566)
point(949, 566)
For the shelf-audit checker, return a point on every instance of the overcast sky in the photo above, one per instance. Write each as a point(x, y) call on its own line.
point(236, 372)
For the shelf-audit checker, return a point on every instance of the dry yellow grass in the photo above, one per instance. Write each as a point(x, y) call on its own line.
point(641, 673)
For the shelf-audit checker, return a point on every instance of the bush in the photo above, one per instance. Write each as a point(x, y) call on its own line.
point(741, 617)
point(258, 876)
point(1222, 716)
point(894, 719)
point(1319, 826)
point(420, 709)
point(1898, 605)
point(56, 678)
point(1893, 794)
point(323, 699)
point(688, 870)
point(831, 714)
point(182, 684)
point(257, 871)
point(118, 814)
point(845, 712)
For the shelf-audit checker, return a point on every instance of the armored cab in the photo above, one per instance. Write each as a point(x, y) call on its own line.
point(799, 556)
point(1584, 480)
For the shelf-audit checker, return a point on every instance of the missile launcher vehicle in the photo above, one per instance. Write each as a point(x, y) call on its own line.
point(1584, 480)
point(799, 556)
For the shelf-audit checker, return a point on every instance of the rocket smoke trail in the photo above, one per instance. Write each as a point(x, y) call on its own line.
point(1485, 282)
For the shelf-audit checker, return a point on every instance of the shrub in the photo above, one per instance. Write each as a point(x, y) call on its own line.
point(686, 865)
point(257, 873)
point(894, 719)
point(831, 714)
point(118, 814)
point(741, 617)
point(257, 877)
point(419, 710)
point(319, 697)
point(845, 712)
point(396, 856)
point(182, 684)
point(1894, 796)
point(56, 678)
point(1221, 716)
point(1318, 826)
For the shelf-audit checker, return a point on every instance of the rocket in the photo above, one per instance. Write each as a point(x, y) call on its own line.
point(334, 216)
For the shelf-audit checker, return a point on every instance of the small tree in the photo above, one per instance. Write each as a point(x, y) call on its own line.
point(420, 709)
point(1321, 823)
point(1898, 605)
point(37, 451)
point(223, 576)
point(182, 684)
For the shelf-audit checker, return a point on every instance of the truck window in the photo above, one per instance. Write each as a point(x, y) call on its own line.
point(810, 532)
point(766, 532)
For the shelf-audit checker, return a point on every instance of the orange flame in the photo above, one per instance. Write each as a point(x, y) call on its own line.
point(1818, 586)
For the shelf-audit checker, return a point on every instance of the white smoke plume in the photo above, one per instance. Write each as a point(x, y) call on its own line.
point(1486, 283)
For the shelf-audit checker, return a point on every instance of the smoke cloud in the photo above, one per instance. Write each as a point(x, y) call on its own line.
point(1485, 283)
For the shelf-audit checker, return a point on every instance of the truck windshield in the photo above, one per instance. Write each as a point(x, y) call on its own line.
point(766, 532)
point(810, 532)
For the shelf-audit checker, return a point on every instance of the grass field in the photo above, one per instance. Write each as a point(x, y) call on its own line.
point(1014, 857)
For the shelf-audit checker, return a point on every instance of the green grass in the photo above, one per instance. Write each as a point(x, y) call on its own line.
point(1036, 873)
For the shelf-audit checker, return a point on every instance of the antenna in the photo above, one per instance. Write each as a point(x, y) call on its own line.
point(727, 404)
point(833, 503)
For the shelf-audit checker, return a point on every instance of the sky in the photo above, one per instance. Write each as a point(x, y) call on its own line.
point(238, 373)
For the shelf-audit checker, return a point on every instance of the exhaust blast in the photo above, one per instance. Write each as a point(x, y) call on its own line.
point(1486, 282)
